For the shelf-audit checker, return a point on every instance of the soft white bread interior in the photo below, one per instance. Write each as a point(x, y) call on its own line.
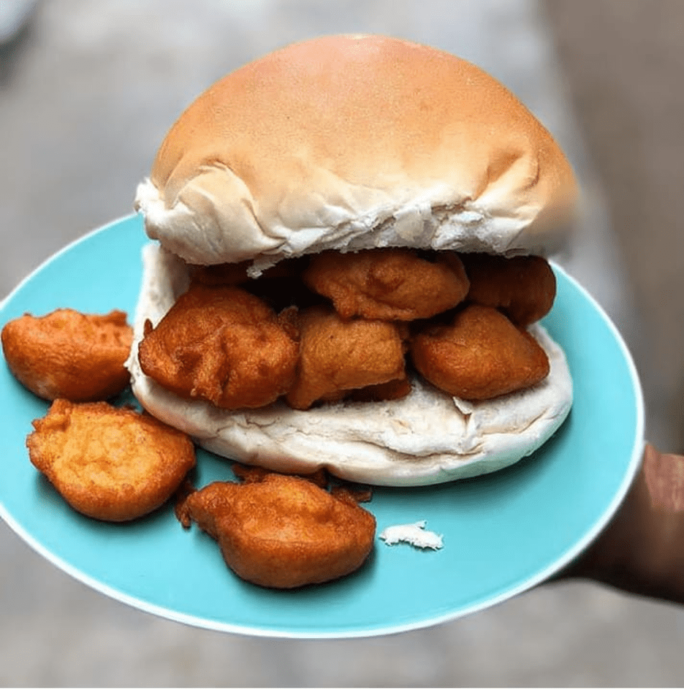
point(426, 438)
point(349, 142)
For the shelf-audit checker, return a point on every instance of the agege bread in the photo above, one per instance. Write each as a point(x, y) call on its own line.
point(352, 143)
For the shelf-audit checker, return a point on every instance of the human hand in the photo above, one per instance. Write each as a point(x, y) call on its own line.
point(641, 551)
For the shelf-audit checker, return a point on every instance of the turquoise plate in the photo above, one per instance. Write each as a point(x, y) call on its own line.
point(503, 533)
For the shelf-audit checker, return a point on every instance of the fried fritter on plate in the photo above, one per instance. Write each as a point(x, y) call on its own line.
point(390, 284)
point(68, 354)
point(109, 463)
point(340, 355)
point(479, 355)
point(522, 287)
point(224, 345)
point(283, 531)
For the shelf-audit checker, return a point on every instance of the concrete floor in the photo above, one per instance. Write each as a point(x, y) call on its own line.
point(86, 94)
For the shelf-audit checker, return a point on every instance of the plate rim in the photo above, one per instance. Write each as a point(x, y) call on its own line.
point(364, 631)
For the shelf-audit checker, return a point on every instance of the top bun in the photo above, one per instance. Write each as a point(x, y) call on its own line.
point(351, 142)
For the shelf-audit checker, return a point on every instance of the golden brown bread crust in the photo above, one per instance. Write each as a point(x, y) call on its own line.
point(280, 155)
point(109, 463)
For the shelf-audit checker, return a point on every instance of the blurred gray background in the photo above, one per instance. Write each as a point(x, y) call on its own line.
point(87, 91)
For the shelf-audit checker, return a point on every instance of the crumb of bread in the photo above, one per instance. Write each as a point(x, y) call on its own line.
point(414, 534)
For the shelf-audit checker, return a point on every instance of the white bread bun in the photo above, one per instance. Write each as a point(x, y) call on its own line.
point(428, 437)
point(351, 142)
point(347, 143)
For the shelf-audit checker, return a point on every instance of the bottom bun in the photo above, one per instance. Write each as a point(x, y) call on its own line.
point(428, 437)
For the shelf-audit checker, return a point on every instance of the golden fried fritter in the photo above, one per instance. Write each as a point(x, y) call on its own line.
point(339, 355)
point(224, 345)
point(479, 355)
point(389, 284)
point(68, 354)
point(523, 287)
point(282, 531)
point(109, 463)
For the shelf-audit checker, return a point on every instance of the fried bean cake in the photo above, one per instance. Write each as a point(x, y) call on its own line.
point(389, 284)
point(340, 355)
point(69, 354)
point(109, 463)
point(480, 354)
point(224, 345)
point(282, 531)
